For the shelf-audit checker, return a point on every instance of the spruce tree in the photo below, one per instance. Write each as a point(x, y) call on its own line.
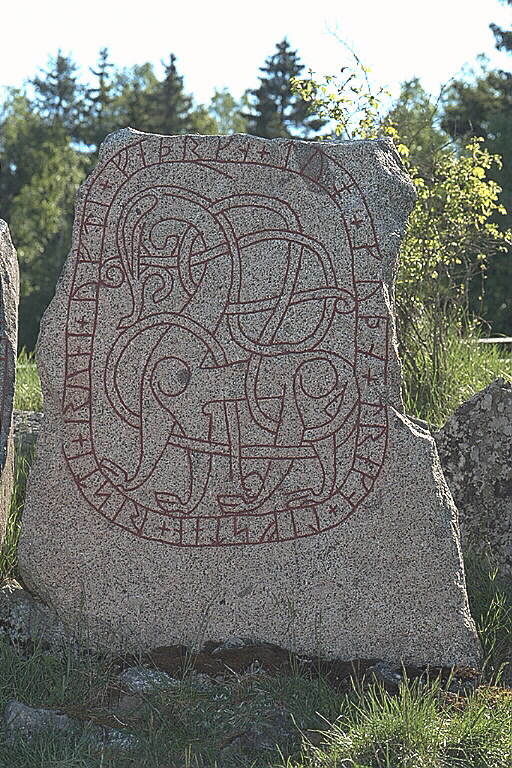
point(502, 36)
point(275, 110)
point(59, 96)
point(100, 119)
point(172, 106)
point(134, 94)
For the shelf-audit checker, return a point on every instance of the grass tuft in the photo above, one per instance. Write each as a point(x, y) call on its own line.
point(8, 557)
point(433, 390)
point(421, 727)
point(28, 395)
point(490, 600)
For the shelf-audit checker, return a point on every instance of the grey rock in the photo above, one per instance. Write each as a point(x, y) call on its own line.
point(28, 722)
point(202, 681)
point(26, 621)
point(463, 687)
point(262, 736)
point(145, 680)
point(26, 427)
point(9, 297)
point(475, 449)
point(225, 450)
point(385, 673)
point(129, 707)
point(267, 735)
point(112, 737)
point(232, 642)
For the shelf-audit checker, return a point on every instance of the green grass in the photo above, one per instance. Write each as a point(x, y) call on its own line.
point(257, 719)
point(28, 396)
point(421, 727)
point(464, 367)
point(490, 599)
point(8, 558)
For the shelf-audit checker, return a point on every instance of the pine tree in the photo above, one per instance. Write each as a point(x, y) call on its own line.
point(503, 37)
point(134, 94)
point(58, 95)
point(99, 119)
point(275, 110)
point(172, 106)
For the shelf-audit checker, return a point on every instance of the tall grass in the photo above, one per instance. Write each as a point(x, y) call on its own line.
point(434, 385)
point(421, 727)
point(28, 395)
point(8, 558)
point(490, 599)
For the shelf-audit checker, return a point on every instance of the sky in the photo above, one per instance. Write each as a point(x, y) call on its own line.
point(222, 43)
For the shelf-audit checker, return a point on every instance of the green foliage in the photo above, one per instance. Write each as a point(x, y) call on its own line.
point(133, 91)
point(483, 108)
point(99, 118)
point(452, 232)
point(348, 100)
point(42, 170)
point(8, 550)
point(415, 123)
point(481, 105)
point(172, 110)
point(276, 110)
point(59, 94)
point(137, 98)
point(227, 112)
point(503, 36)
point(171, 105)
point(27, 397)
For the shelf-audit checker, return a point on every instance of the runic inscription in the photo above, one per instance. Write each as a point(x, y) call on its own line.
point(226, 351)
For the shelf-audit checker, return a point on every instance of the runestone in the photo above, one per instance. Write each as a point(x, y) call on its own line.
point(9, 296)
point(224, 417)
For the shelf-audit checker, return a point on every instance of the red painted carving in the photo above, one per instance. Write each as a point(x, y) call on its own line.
point(209, 399)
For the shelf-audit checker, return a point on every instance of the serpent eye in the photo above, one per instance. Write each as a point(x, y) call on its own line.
point(183, 376)
point(170, 377)
point(317, 378)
